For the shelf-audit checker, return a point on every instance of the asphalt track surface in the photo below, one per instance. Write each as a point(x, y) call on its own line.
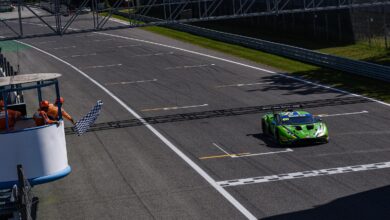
point(210, 111)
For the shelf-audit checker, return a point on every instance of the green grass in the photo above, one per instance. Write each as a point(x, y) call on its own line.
point(361, 51)
point(12, 46)
point(350, 82)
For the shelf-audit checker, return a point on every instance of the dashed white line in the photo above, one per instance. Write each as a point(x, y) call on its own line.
point(304, 174)
point(80, 55)
point(85, 35)
point(131, 82)
point(189, 67)
point(63, 48)
point(152, 54)
point(101, 66)
point(342, 114)
point(243, 84)
point(102, 40)
point(169, 144)
point(173, 108)
point(31, 23)
point(45, 42)
point(125, 46)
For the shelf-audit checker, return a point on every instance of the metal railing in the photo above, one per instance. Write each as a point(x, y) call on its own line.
point(6, 68)
point(356, 67)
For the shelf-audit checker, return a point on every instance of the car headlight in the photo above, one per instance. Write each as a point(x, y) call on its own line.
point(321, 131)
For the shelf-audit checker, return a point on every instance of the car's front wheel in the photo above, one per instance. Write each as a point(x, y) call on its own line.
point(277, 138)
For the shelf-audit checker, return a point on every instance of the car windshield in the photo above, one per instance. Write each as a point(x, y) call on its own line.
point(297, 120)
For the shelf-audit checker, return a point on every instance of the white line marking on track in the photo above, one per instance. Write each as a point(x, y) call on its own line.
point(101, 40)
point(219, 147)
point(239, 155)
point(86, 35)
point(261, 154)
point(45, 42)
point(242, 84)
point(63, 48)
point(304, 174)
point(125, 46)
point(31, 23)
point(84, 55)
point(101, 66)
point(175, 149)
point(80, 55)
point(342, 114)
point(152, 54)
point(189, 67)
point(245, 65)
point(131, 82)
point(173, 108)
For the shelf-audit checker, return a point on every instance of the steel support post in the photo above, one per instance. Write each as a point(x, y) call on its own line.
point(57, 13)
point(20, 4)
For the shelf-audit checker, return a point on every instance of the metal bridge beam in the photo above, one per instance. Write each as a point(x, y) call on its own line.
point(160, 12)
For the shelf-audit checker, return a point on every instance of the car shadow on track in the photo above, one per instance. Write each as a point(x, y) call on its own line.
point(269, 142)
point(372, 204)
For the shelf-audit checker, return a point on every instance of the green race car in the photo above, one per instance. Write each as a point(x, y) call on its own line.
point(294, 127)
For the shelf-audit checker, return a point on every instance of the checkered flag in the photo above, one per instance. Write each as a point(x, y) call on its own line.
point(87, 121)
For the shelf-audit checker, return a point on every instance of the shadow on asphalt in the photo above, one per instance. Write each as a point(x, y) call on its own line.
point(373, 204)
point(269, 142)
point(290, 86)
point(346, 81)
point(222, 113)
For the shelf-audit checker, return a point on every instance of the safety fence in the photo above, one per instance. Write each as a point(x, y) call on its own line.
point(6, 68)
point(356, 67)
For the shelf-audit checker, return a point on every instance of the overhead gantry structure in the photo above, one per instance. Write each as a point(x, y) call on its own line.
point(60, 19)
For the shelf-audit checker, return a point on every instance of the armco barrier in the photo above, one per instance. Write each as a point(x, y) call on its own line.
point(361, 68)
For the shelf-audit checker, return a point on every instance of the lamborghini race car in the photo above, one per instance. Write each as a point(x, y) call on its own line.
point(294, 127)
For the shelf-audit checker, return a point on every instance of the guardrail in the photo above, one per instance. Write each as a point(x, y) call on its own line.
point(356, 67)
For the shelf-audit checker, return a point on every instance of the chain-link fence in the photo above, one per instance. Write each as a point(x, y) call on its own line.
point(372, 25)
